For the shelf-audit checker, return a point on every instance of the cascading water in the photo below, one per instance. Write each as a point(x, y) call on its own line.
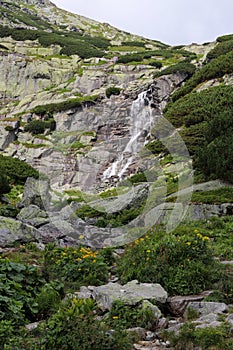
point(142, 121)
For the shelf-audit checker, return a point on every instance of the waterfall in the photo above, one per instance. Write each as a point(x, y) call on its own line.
point(142, 120)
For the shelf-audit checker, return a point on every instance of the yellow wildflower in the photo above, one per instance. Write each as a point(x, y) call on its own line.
point(205, 238)
point(115, 317)
point(188, 243)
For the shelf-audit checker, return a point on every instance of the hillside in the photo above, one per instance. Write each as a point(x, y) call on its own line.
point(116, 165)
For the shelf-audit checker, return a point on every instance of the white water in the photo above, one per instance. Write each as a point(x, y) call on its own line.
point(142, 121)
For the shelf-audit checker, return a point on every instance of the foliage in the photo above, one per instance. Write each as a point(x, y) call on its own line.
point(225, 38)
point(35, 127)
point(16, 171)
point(218, 196)
point(156, 64)
point(220, 49)
point(215, 158)
point(9, 210)
point(129, 316)
point(182, 264)
point(112, 90)
point(4, 184)
point(133, 43)
point(75, 266)
point(136, 57)
point(156, 147)
point(207, 338)
point(84, 46)
point(215, 69)
point(104, 219)
point(185, 68)
point(202, 106)
point(51, 108)
point(75, 327)
point(18, 287)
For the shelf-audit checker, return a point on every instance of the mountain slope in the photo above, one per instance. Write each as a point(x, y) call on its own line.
point(73, 97)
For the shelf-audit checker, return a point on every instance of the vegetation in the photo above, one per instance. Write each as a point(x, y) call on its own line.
point(220, 49)
point(75, 267)
point(112, 90)
point(38, 126)
point(215, 69)
point(182, 262)
point(207, 338)
point(185, 68)
point(72, 43)
point(16, 171)
point(51, 108)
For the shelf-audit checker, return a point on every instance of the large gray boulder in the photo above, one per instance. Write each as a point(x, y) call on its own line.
point(131, 293)
point(36, 192)
point(207, 307)
point(13, 231)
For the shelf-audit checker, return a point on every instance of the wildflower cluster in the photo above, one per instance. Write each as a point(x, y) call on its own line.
point(79, 265)
point(181, 263)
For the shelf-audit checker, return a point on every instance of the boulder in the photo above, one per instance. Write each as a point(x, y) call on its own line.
point(13, 231)
point(131, 293)
point(205, 307)
point(36, 192)
point(149, 306)
point(33, 215)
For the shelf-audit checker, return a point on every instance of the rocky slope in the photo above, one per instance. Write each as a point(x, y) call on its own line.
point(82, 102)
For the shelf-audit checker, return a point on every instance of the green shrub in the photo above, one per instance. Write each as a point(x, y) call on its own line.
point(185, 68)
point(16, 171)
point(202, 106)
point(215, 157)
point(133, 43)
point(9, 210)
point(215, 69)
point(4, 184)
point(207, 338)
point(220, 49)
point(75, 326)
point(128, 316)
point(156, 64)
point(51, 108)
point(137, 57)
point(225, 38)
point(156, 147)
point(218, 196)
point(181, 264)
point(75, 266)
point(112, 90)
point(35, 127)
point(19, 285)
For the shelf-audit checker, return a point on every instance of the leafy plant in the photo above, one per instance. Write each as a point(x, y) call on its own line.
point(75, 266)
point(126, 316)
point(112, 90)
point(181, 264)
